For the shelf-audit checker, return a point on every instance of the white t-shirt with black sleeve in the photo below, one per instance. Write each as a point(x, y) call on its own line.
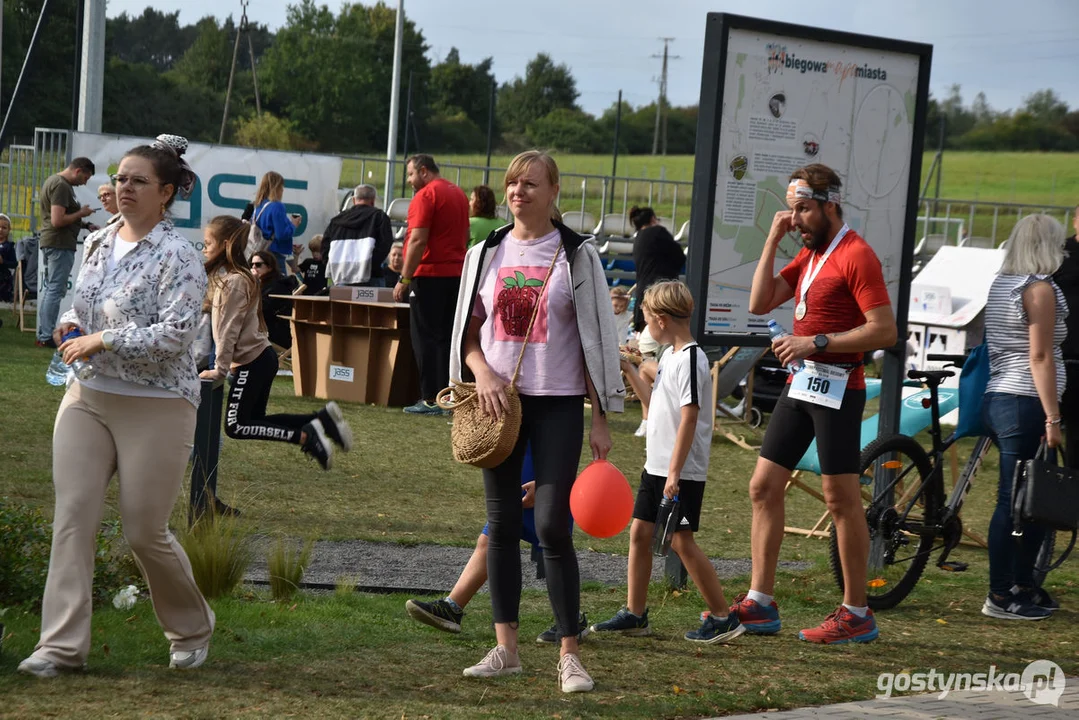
point(683, 379)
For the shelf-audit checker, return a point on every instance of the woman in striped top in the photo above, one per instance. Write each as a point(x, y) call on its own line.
point(1024, 327)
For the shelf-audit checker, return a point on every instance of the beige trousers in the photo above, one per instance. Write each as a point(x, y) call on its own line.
point(146, 442)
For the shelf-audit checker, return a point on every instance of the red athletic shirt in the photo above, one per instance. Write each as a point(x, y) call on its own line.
point(442, 208)
point(849, 285)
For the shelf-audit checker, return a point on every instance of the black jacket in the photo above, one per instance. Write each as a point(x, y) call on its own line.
point(658, 256)
point(360, 221)
point(1067, 279)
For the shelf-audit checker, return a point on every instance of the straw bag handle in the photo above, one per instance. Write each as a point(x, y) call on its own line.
point(535, 312)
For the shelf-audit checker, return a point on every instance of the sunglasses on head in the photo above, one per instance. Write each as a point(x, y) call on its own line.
point(258, 264)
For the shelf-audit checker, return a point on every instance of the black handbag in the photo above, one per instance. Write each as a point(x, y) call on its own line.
point(1045, 494)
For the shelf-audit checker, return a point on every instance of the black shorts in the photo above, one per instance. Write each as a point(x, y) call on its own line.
point(690, 497)
point(795, 423)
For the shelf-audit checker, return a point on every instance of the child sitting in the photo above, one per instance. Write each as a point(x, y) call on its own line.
point(622, 316)
point(312, 270)
point(678, 443)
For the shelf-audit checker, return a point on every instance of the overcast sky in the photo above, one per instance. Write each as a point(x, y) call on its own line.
point(1004, 48)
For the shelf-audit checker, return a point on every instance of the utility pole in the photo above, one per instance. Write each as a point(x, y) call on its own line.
point(92, 88)
point(395, 102)
point(661, 113)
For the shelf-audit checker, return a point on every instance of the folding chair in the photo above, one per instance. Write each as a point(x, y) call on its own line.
point(727, 373)
point(284, 355)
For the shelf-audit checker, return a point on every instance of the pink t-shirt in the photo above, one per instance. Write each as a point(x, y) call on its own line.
point(553, 362)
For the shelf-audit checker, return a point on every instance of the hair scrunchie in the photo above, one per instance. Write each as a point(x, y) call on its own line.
point(177, 145)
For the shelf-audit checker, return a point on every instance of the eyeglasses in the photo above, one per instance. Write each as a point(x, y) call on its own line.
point(257, 264)
point(137, 181)
point(102, 196)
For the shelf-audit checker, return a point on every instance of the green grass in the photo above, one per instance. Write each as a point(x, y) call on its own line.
point(361, 656)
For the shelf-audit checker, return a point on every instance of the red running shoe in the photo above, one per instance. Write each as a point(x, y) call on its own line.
point(842, 626)
point(758, 620)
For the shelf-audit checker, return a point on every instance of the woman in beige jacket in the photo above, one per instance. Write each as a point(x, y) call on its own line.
point(243, 352)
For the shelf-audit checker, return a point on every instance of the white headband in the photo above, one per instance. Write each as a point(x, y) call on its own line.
point(800, 189)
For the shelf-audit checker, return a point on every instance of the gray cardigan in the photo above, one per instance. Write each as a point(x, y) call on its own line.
point(591, 303)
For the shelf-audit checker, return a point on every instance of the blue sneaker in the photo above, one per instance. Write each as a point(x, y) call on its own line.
point(717, 631)
point(422, 407)
point(626, 623)
point(757, 619)
point(1013, 607)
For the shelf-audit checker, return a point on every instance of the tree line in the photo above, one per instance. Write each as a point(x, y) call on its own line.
point(323, 80)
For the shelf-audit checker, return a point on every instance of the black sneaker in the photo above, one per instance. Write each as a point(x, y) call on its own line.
point(317, 445)
point(1013, 607)
point(713, 630)
point(1041, 597)
point(550, 635)
point(626, 623)
point(335, 425)
point(438, 614)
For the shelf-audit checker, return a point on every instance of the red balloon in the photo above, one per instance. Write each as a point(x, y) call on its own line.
point(601, 500)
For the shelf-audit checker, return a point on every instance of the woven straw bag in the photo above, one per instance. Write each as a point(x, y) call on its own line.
point(479, 439)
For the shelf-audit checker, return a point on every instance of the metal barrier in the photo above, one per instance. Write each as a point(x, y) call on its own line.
point(17, 188)
point(990, 222)
point(207, 446)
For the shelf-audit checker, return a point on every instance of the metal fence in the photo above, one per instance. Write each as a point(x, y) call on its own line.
point(985, 224)
point(23, 169)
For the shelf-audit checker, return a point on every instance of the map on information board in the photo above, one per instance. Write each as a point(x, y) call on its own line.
point(787, 102)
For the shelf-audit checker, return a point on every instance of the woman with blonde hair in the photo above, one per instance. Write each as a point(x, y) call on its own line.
point(1024, 329)
point(273, 220)
point(537, 266)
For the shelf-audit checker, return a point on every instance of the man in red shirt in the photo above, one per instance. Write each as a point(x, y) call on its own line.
point(434, 254)
point(842, 311)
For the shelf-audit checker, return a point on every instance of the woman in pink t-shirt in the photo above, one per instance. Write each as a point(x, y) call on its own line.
point(571, 346)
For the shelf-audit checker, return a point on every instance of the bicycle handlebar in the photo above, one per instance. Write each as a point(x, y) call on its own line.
point(956, 360)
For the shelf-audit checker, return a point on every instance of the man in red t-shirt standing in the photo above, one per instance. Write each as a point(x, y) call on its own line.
point(842, 311)
point(434, 254)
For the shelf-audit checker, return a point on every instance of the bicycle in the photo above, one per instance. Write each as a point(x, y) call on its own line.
point(903, 532)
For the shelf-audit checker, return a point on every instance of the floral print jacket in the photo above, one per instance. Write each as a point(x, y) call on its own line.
point(151, 301)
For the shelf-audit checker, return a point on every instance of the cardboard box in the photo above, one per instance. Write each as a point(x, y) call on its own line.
point(361, 294)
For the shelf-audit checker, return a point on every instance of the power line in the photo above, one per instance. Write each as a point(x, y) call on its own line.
point(661, 114)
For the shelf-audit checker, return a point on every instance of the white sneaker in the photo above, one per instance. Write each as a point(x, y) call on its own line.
point(497, 663)
point(189, 660)
point(642, 429)
point(42, 668)
point(572, 675)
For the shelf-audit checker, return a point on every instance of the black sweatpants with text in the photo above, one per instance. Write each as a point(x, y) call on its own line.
point(245, 412)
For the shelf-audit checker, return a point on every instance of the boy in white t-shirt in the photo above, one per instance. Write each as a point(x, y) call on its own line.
point(678, 444)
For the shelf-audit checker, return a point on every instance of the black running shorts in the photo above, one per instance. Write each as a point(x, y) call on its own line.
point(795, 423)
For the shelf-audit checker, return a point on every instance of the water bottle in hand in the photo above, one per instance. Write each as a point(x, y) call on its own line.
point(82, 367)
point(56, 375)
point(666, 525)
point(776, 331)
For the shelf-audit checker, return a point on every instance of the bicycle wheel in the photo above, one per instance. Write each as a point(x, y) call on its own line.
point(903, 529)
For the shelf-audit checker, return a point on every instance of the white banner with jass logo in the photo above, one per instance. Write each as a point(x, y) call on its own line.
point(227, 179)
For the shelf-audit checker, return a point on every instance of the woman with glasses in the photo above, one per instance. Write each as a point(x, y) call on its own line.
point(136, 305)
point(271, 282)
point(107, 195)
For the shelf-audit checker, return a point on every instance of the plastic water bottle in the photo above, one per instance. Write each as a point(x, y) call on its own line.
point(82, 368)
point(776, 331)
point(666, 525)
point(57, 373)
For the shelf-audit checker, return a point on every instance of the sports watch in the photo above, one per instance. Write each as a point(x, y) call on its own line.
point(108, 337)
point(820, 342)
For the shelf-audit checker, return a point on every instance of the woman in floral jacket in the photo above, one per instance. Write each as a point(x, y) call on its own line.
point(137, 303)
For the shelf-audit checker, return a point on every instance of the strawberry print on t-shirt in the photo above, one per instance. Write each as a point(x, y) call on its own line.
point(517, 291)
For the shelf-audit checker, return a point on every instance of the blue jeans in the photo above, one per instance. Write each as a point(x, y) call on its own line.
point(57, 264)
point(1017, 423)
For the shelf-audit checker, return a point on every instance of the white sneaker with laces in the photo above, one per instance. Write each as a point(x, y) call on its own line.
point(183, 660)
point(496, 663)
point(642, 429)
point(572, 676)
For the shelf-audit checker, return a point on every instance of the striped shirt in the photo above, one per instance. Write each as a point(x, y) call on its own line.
point(1007, 332)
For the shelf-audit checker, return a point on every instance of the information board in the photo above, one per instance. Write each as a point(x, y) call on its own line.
point(776, 97)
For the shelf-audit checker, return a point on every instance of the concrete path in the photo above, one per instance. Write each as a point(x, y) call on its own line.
point(966, 705)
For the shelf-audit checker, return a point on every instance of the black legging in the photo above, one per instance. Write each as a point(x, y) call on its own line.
point(555, 427)
point(245, 414)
